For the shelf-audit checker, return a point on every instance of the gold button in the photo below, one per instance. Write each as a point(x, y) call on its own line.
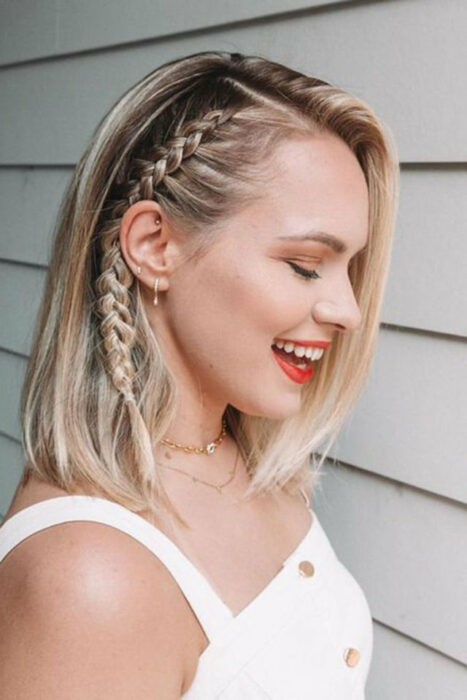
point(306, 568)
point(351, 656)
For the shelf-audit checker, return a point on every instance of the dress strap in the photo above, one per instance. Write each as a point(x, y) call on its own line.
point(208, 607)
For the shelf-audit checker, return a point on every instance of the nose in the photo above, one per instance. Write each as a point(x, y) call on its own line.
point(339, 309)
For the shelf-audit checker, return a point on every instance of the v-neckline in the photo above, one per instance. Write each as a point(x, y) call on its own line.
point(228, 612)
point(268, 593)
point(216, 595)
point(272, 583)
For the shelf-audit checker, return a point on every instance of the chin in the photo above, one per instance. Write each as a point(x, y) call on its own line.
point(279, 409)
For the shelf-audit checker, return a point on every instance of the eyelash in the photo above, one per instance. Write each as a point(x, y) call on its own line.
point(309, 274)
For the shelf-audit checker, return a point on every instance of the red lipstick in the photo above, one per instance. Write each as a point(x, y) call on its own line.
point(298, 375)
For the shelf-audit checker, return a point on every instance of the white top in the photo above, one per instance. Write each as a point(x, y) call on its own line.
point(308, 634)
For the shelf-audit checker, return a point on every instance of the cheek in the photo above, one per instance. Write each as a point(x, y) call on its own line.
point(229, 314)
point(260, 302)
point(230, 323)
point(268, 299)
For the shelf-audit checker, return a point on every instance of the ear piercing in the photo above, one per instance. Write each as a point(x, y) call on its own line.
point(156, 281)
point(156, 284)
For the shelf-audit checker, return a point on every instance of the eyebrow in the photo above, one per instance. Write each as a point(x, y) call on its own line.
point(337, 245)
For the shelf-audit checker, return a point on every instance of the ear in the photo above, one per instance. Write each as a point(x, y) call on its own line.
point(144, 237)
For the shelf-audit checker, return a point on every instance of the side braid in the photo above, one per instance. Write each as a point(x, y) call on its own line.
point(163, 160)
point(112, 306)
point(113, 299)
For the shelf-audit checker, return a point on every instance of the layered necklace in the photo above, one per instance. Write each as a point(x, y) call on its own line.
point(209, 449)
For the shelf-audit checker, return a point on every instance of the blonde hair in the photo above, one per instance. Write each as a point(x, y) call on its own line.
point(194, 135)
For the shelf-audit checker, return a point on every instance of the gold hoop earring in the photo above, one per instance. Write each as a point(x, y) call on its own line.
point(156, 284)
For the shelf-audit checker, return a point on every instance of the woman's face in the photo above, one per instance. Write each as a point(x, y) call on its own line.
point(221, 314)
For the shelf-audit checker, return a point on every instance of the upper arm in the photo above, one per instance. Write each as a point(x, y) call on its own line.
point(85, 611)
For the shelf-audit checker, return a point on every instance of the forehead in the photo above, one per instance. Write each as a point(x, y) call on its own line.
point(313, 182)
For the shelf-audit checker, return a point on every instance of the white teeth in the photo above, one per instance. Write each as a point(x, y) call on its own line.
point(300, 350)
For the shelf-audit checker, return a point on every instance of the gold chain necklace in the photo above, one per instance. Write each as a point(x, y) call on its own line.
point(208, 450)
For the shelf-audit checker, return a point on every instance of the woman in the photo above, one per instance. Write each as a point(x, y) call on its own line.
point(209, 319)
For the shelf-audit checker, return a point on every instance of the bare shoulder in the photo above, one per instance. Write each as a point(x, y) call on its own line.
point(87, 611)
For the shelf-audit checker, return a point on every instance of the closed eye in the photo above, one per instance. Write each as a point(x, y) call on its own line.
point(309, 274)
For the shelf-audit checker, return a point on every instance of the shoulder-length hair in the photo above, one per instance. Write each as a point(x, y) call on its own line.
point(194, 136)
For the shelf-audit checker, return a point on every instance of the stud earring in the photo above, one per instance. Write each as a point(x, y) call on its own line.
point(156, 285)
point(138, 270)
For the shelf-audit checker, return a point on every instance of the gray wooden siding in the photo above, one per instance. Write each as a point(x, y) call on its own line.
point(394, 503)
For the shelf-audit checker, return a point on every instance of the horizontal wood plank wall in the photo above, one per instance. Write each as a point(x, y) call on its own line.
point(393, 495)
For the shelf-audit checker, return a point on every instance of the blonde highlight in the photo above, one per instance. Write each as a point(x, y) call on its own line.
point(195, 135)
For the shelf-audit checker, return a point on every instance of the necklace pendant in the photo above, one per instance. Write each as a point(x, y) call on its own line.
point(210, 448)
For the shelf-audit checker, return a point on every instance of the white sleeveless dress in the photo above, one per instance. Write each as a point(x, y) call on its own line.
point(307, 635)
